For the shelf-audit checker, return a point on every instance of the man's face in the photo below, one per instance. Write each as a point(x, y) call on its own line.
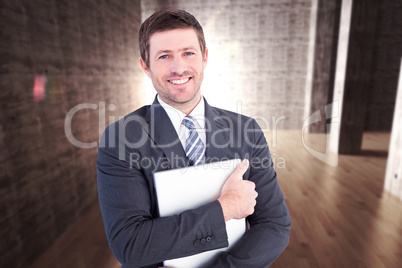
point(176, 67)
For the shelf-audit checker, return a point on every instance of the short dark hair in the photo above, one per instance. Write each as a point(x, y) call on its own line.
point(168, 19)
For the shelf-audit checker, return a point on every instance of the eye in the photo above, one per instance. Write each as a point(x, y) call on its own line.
point(163, 57)
point(189, 53)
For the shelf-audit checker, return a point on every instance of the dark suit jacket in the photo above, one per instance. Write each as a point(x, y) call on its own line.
point(144, 142)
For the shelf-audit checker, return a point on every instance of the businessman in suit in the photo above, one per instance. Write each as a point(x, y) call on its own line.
point(156, 137)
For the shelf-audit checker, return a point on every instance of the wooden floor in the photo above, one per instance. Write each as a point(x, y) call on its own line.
point(341, 217)
point(83, 245)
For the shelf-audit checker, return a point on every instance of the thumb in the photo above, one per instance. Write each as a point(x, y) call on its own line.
point(240, 170)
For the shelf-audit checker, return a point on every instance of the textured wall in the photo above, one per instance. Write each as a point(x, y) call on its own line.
point(55, 55)
point(257, 54)
point(383, 74)
point(393, 176)
point(385, 70)
point(321, 70)
point(352, 81)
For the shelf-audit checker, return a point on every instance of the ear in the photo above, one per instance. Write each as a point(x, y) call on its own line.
point(205, 60)
point(145, 68)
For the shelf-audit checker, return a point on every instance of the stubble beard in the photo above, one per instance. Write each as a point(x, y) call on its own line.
point(174, 101)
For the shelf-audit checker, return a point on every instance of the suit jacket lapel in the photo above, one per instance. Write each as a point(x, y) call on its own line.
point(164, 136)
point(218, 135)
point(162, 132)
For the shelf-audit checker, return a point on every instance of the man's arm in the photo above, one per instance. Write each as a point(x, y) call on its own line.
point(270, 222)
point(135, 235)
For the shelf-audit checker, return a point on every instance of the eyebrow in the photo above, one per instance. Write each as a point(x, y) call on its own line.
point(169, 51)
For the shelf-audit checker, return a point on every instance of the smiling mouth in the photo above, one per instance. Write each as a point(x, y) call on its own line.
point(180, 81)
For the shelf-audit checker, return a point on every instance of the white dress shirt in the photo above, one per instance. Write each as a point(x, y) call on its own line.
point(176, 117)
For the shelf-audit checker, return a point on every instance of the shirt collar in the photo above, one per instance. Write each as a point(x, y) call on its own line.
point(176, 116)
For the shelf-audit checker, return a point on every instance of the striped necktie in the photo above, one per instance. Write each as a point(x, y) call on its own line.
point(195, 149)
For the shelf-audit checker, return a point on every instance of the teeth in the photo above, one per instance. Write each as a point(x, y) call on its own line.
point(179, 82)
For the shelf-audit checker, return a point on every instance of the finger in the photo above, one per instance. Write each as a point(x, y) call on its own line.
point(240, 170)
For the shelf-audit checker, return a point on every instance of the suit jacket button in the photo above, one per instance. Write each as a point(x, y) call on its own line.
point(203, 241)
point(196, 243)
point(209, 239)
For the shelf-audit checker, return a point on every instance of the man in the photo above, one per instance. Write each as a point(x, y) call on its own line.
point(155, 138)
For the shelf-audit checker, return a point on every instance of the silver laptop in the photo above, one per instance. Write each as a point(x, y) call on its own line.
point(178, 190)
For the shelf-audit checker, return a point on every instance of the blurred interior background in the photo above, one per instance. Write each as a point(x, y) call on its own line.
point(321, 78)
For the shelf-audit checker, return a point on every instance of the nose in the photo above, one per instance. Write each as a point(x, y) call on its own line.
point(178, 66)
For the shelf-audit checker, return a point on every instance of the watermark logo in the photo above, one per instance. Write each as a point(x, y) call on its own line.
point(267, 125)
point(331, 112)
point(102, 122)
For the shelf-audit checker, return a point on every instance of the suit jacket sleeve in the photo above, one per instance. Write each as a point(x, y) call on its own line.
point(270, 223)
point(135, 234)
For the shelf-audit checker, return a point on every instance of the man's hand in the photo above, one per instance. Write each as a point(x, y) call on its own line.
point(238, 197)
